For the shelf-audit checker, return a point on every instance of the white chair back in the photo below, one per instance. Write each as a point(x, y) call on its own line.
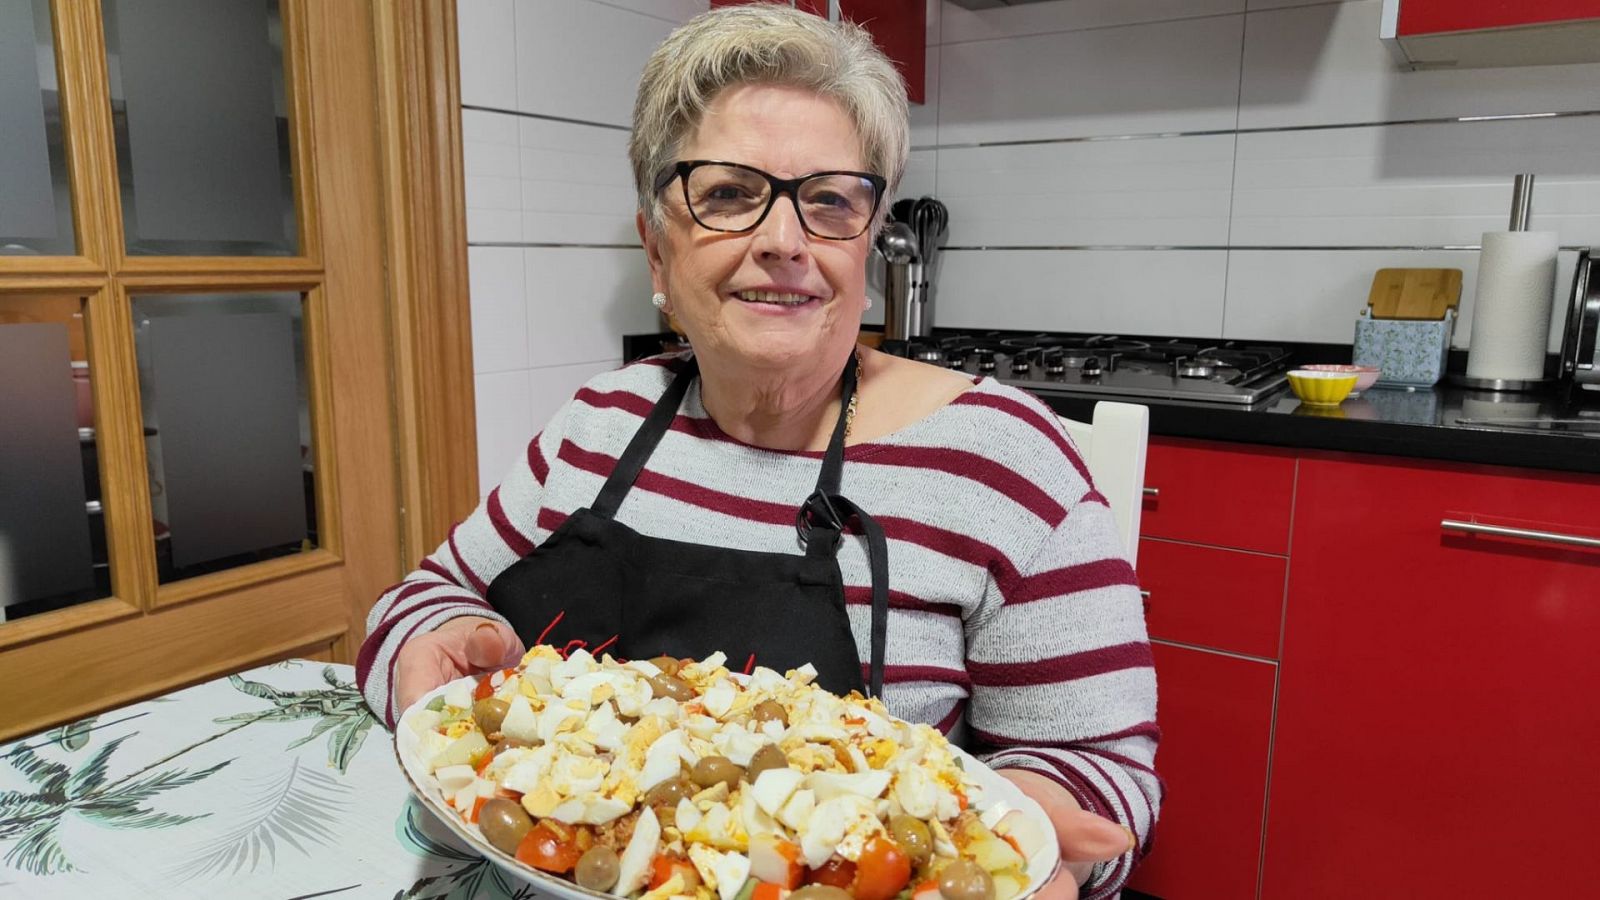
point(1113, 447)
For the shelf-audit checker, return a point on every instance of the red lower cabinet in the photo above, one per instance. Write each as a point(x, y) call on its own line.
point(1438, 724)
point(1215, 712)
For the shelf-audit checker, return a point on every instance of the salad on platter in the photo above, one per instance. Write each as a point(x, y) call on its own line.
point(667, 778)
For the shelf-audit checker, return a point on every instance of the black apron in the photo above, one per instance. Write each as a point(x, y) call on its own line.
point(598, 584)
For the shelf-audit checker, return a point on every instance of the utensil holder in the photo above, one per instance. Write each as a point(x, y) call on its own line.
point(1409, 352)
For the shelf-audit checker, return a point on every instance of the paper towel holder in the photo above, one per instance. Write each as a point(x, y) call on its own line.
point(1521, 210)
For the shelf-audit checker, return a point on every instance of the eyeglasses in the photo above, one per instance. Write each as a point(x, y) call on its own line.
point(731, 197)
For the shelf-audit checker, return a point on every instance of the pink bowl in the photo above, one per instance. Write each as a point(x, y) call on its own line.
point(1365, 375)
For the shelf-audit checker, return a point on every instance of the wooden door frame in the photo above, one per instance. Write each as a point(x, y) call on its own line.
point(420, 136)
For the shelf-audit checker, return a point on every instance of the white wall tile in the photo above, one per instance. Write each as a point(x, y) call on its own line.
point(1175, 292)
point(499, 309)
point(676, 11)
point(1253, 5)
point(581, 60)
point(1139, 79)
point(1162, 191)
point(576, 185)
point(489, 161)
point(486, 33)
point(960, 24)
point(921, 175)
point(1316, 295)
point(1418, 185)
point(505, 423)
point(925, 115)
point(1320, 65)
point(581, 301)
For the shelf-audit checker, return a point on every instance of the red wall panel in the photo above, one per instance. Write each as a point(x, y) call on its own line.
point(1433, 16)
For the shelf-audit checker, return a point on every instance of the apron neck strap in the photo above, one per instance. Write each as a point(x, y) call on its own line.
point(644, 442)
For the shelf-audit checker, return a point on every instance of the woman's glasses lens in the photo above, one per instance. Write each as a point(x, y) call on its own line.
point(729, 198)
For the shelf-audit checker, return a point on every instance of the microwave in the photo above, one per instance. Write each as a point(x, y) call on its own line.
point(1580, 343)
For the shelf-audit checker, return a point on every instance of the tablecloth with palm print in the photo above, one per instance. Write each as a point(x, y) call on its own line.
point(273, 783)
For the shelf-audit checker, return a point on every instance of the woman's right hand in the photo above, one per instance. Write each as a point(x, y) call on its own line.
point(462, 646)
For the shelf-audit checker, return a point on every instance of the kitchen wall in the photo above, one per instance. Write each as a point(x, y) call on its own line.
point(1227, 168)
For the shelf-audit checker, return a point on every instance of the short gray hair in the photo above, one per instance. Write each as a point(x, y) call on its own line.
point(765, 44)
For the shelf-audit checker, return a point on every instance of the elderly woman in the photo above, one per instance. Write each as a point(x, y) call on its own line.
point(786, 496)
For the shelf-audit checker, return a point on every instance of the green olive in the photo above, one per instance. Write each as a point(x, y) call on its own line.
point(965, 880)
point(504, 823)
point(490, 714)
point(667, 664)
point(713, 769)
point(669, 792)
point(768, 757)
point(665, 685)
point(821, 892)
point(770, 711)
point(598, 868)
point(912, 836)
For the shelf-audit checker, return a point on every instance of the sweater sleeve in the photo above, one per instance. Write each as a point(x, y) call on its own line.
point(452, 580)
point(1063, 681)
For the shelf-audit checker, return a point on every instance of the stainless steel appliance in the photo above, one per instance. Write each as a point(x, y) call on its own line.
point(1233, 373)
point(1580, 344)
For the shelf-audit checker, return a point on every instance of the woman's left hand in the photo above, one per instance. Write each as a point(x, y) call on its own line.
point(1085, 838)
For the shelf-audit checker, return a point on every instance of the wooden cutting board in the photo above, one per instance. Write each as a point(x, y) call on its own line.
point(1414, 293)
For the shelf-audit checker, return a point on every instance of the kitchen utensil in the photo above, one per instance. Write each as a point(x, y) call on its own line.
point(995, 792)
point(1321, 388)
point(1414, 293)
point(902, 291)
point(1408, 351)
point(1580, 344)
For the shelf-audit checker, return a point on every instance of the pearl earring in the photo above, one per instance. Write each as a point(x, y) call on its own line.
point(869, 302)
point(658, 300)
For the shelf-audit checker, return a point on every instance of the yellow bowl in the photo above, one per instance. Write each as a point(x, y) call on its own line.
point(1321, 388)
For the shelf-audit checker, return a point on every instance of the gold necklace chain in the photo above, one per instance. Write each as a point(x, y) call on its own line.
point(850, 411)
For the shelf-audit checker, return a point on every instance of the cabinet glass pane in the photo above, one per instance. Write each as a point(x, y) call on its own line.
point(201, 117)
point(35, 196)
point(52, 533)
point(224, 392)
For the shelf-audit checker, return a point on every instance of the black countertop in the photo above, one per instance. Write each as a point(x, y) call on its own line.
point(1424, 423)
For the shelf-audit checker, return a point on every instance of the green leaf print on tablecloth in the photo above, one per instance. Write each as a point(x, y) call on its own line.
point(338, 708)
point(73, 735)
point(35, 817)
point(468, 877)
point(296, 807)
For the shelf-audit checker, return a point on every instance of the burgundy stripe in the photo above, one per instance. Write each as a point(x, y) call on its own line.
point(429, 565)
point(861, 595)
point(1125, 761)
point(1094, 496)
point(952, 544)
point(1088, 576)
point(1143, 729)
point(536, 460)
point(369, 647)
point(1087, 795)
point(461, 561)
point(1050, 429)
point(907, 674)
point(952, 717)
point(986, 472)
point(1149, 804)
point(550, 520)
point(1056, 669)
point(627, 401)
point(508, 532)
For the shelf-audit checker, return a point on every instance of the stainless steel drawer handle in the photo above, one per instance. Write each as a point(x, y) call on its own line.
point(1548, 537)
point(1152, 492)
point(1144, 595)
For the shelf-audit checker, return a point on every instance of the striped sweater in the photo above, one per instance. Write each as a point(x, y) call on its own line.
point(1015, 622)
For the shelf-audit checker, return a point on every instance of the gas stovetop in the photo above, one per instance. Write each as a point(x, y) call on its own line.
point(1177, 369)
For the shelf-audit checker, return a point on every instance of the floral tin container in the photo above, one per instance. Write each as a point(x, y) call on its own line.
point(1409, 352)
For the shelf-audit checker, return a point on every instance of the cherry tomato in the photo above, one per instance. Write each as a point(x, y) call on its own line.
point(836, 872)
point(489, 682)
point(883, 871)
point(662, 867)
point(549, 849)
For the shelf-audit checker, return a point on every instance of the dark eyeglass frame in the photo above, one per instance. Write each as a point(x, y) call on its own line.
point(791, 186)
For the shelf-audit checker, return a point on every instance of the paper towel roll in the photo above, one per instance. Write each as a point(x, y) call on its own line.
point(1511, 311)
